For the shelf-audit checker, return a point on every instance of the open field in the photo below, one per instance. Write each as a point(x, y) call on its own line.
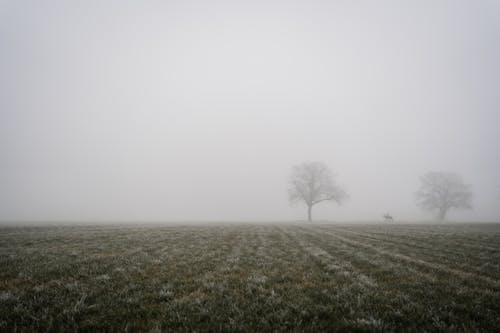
point(253, 277)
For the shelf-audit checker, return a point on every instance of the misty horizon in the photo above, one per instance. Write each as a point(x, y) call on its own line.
point(185, 111)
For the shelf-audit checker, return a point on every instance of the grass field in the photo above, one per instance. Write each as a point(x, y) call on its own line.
point(247, 278)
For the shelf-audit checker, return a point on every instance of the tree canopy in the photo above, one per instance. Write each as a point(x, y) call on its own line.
point(312, 183)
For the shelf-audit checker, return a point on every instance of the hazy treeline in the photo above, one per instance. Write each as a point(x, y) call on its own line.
point(313, 182)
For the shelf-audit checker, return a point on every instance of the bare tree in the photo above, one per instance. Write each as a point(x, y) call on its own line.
point(440, 192)
point(312, 183)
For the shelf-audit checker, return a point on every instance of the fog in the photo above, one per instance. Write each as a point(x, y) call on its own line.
point(197, 111)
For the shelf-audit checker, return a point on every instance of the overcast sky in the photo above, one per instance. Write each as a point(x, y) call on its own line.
point(197, 110)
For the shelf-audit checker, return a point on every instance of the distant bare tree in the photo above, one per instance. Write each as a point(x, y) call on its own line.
point(440, 192)
point(388, 217)
point(312, 183)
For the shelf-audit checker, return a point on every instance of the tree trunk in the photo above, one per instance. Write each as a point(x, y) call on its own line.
point(442, 214)
point(309, 213)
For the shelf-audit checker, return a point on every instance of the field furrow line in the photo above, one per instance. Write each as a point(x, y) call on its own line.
point(480, 239)
point(328, 261)
point(438, 253)
point(368, 261)
point(479, 243)
point(462, 274)
point(418, 241)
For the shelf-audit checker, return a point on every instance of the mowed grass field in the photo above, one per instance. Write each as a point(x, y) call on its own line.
point(250, 278)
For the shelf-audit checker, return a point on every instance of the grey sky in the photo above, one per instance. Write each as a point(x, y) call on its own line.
point(196, 110)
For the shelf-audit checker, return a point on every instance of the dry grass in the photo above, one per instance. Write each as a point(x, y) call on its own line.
point(250, 278)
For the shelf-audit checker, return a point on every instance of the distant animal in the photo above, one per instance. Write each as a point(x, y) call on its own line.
point(388, 217)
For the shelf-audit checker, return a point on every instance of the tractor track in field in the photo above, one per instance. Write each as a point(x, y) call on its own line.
point(443, 256)
point(397, 256)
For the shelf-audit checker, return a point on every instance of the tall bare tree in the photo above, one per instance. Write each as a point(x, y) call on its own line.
point(312, 183)
point(441, 191)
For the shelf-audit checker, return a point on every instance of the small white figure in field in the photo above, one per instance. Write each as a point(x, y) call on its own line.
point(388, 217)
